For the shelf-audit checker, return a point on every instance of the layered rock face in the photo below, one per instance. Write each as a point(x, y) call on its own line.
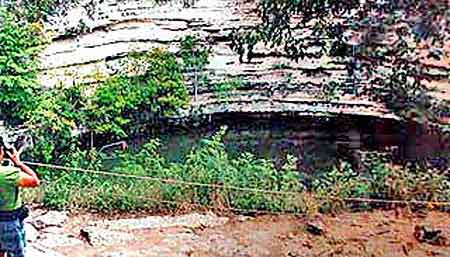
point(91, 39)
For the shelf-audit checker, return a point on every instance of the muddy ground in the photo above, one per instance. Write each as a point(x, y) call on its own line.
point(372, 234)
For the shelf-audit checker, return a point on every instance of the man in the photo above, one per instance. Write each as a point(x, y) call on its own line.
point(12, 213)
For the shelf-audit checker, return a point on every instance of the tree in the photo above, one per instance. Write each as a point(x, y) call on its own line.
point(381, 42)
point(20, 45)
point(195, 56)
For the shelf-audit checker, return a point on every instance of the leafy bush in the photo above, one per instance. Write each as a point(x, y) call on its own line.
point(54, 121)
point(193, 53)
point(207, 164)
point(121, 102)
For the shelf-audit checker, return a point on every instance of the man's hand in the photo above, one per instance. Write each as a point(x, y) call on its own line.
point(14, 156)
point(28, 177)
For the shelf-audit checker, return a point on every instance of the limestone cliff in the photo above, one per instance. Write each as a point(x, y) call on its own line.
point(94, 36)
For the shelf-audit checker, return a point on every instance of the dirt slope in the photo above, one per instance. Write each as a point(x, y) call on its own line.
point(372, 234)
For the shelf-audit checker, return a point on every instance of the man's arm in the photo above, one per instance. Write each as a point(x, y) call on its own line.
point(28, 178)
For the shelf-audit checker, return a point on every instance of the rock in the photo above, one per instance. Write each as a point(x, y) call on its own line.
point(101, 237)
point(35, 212)
point(431, 236)
point(31, 232)
point(315, 226)
point(172, 24)
point(51, 218)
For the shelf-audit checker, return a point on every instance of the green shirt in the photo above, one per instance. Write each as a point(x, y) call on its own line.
point(9, 191)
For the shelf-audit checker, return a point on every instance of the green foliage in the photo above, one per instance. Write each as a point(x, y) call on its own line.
point(21, 43)
point(224, 89)
point(115, 109)
point(122, 101)
point(281, 66)
point(54, 121)
point(111, 101)
point(330, 91)
point(37, 10)
point(194, 53)
point(341, 182)
point(195, 56)
point(207, 164)
point(59, 116)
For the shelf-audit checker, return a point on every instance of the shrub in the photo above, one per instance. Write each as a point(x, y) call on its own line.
point(206, 164)
point(121, 102)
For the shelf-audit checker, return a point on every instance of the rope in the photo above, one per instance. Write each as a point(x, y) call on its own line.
point(244, 189)
point(167, 181)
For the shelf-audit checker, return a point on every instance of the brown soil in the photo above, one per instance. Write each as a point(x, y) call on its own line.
point(371, 234)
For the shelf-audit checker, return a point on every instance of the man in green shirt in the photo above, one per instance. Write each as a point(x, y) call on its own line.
point(12, 213)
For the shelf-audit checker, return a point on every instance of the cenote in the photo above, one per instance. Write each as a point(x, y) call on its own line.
point(315, 141)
